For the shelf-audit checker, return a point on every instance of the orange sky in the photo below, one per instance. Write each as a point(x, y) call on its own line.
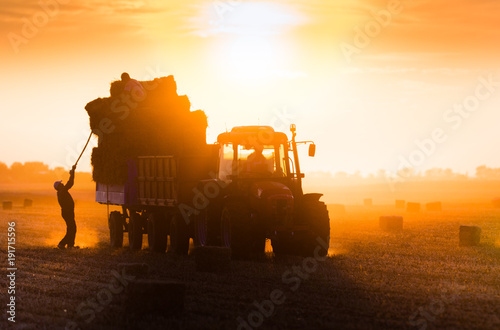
point(367, 101)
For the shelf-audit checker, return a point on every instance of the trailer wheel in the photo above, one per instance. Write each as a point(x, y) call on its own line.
point(157, 232)
point(115, 223)
point(238, 232)
point(135, 231)
point(179, 236)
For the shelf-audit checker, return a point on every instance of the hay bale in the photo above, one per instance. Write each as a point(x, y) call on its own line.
point(469, 235)
point(338, 209)
point(434, 206)
point(400, 204)
point(413, 207)
point(28, 202)
point(212, 259)
point(368, 202)
point(133, 269)
point(154, 297)
point(391, 223)
point(7, 205)
point(161, 124)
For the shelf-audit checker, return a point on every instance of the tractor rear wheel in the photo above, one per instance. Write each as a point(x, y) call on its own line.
point(115, 223)
point(157, 232)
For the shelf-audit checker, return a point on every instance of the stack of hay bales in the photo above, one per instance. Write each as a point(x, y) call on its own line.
point(158, 124)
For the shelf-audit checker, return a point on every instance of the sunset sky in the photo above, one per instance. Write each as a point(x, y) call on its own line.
point(371, 82)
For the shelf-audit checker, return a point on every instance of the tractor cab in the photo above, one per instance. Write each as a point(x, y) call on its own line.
point(253, 152)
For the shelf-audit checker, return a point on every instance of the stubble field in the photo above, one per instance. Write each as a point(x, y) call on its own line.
point(418, 278)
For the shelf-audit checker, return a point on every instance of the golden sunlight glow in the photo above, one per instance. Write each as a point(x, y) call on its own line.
point(253, 39)
point(252, 57)
point(86, 238)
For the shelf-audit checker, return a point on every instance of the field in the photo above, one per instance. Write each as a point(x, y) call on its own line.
point(418, 278)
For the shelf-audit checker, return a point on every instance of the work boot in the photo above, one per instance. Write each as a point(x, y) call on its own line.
point(60, 246)
point(73, 247)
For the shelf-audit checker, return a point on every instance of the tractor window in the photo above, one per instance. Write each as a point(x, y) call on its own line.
point(282, 165)
point(226, 162)
point(262, 161)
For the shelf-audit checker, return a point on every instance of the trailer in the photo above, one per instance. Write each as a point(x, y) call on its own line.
point(152, 198)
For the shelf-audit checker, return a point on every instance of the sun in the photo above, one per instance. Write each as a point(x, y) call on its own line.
point(253, 56)
point(253, 39)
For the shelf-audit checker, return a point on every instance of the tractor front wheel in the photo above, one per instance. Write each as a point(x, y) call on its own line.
point(240, 233)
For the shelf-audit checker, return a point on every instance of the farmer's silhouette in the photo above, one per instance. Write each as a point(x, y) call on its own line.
point(132, 87)
point(257, 162)
point(67, 210)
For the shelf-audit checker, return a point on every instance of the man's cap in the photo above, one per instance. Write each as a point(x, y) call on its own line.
point(57, 183)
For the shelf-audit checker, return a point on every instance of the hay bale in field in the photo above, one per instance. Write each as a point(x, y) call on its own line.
point(400, 204)
point(154, 297)
point(338, 209)
point(28, 202)
point(391, 223)
point(133, 269)
point(368, 202)
point(434, 206)
point(161, 123)
point(7, 205)
point(469, 235)
point(212, 259)
point(413, 207)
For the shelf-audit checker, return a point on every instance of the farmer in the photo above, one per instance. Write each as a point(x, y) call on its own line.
point(67, 210)
point(257, 162)
point(132, 87)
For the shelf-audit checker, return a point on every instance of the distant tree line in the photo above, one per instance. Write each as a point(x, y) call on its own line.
point(38, 172)
point(410, 175)
point(35, 172)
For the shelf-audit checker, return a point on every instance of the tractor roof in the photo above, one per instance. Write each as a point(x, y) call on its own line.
point(251, 135)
